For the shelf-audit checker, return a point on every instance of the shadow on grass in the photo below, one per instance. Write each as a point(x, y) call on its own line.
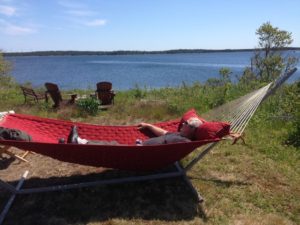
point(169, 200)
point(227, 183)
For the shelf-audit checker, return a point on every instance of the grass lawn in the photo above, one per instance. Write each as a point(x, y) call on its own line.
point(256, 183)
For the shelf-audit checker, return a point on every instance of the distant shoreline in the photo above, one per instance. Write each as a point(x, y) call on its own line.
point(125, 52)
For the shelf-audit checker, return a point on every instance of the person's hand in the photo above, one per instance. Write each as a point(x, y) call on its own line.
point(143, 125)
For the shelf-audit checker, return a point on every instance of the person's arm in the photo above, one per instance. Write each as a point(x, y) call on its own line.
point(154, 129)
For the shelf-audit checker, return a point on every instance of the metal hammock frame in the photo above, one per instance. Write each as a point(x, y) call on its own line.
point(239, 119)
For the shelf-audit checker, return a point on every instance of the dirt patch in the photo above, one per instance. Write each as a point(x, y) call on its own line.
point(40, 166)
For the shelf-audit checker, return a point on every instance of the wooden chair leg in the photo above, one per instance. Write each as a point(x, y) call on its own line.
point(5, 150)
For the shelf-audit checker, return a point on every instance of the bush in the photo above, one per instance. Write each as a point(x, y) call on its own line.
point(89, 106)
point(139, 93)
point(294, 134)
point(6, 81)
point(294, 108)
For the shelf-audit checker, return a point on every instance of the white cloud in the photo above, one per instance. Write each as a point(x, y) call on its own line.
point(7, 10)
point(76, 9)
point(15, 30)
point(95, 23)
point(81, 14)
point(71, 5)
point(78, 12)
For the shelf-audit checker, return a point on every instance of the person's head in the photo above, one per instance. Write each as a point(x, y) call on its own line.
point(189, 127)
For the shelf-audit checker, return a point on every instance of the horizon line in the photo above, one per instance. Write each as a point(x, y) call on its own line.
point(57, 52)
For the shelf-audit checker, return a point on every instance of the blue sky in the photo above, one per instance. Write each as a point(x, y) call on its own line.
point(107, 25)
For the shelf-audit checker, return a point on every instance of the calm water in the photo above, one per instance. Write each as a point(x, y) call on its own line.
point(126, 71)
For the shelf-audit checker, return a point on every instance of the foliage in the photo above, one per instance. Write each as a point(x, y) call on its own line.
point(248, 80)
point(88, 105)
point(221, 87)
point(225, 75)
point(4, 66)
point(6, 80)
point(138, 92)
point(294, 134)
point(268, 60)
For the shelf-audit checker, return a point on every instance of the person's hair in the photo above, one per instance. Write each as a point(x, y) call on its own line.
point(194, 122)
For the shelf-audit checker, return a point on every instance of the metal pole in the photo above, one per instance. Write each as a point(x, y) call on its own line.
point(12, 197)
point(8, 187)
point(279, 82)
point(189, 183)
point(101, 182)
point(200, 156)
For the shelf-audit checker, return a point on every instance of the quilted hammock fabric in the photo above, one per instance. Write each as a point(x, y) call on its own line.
point(46, 132)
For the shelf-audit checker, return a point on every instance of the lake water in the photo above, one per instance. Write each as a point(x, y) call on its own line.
point(127, 71)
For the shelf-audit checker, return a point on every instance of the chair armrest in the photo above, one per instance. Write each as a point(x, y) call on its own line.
point(72, 96)
point(113, 92)
point(94, 95)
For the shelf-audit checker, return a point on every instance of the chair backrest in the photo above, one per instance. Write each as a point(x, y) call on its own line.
point(105, 93)
point(106, 97)
point(104, 86)
point(30, 94)
point(27, 91)
point(54, 92)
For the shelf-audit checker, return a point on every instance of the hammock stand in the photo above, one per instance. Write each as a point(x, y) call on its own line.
point(239, 121)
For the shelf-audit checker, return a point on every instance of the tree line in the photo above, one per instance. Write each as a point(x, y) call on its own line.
point(125, 52)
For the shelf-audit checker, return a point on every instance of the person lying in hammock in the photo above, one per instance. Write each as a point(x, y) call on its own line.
point(186, 134)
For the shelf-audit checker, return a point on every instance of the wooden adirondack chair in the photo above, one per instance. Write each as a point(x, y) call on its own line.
point(105, 93)
point(54, 92)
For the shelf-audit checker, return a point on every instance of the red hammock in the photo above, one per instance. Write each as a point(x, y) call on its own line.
point(46, 132)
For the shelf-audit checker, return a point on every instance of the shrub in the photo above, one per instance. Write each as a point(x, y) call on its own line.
point(294, 108)
point(89, 106)
point(139, 93)
point(6, 80)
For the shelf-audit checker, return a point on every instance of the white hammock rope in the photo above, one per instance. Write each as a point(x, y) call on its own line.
point(239, 112)
point(244, 105)
point(240, 121)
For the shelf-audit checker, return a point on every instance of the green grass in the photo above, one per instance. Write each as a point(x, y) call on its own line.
point(256, 183)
